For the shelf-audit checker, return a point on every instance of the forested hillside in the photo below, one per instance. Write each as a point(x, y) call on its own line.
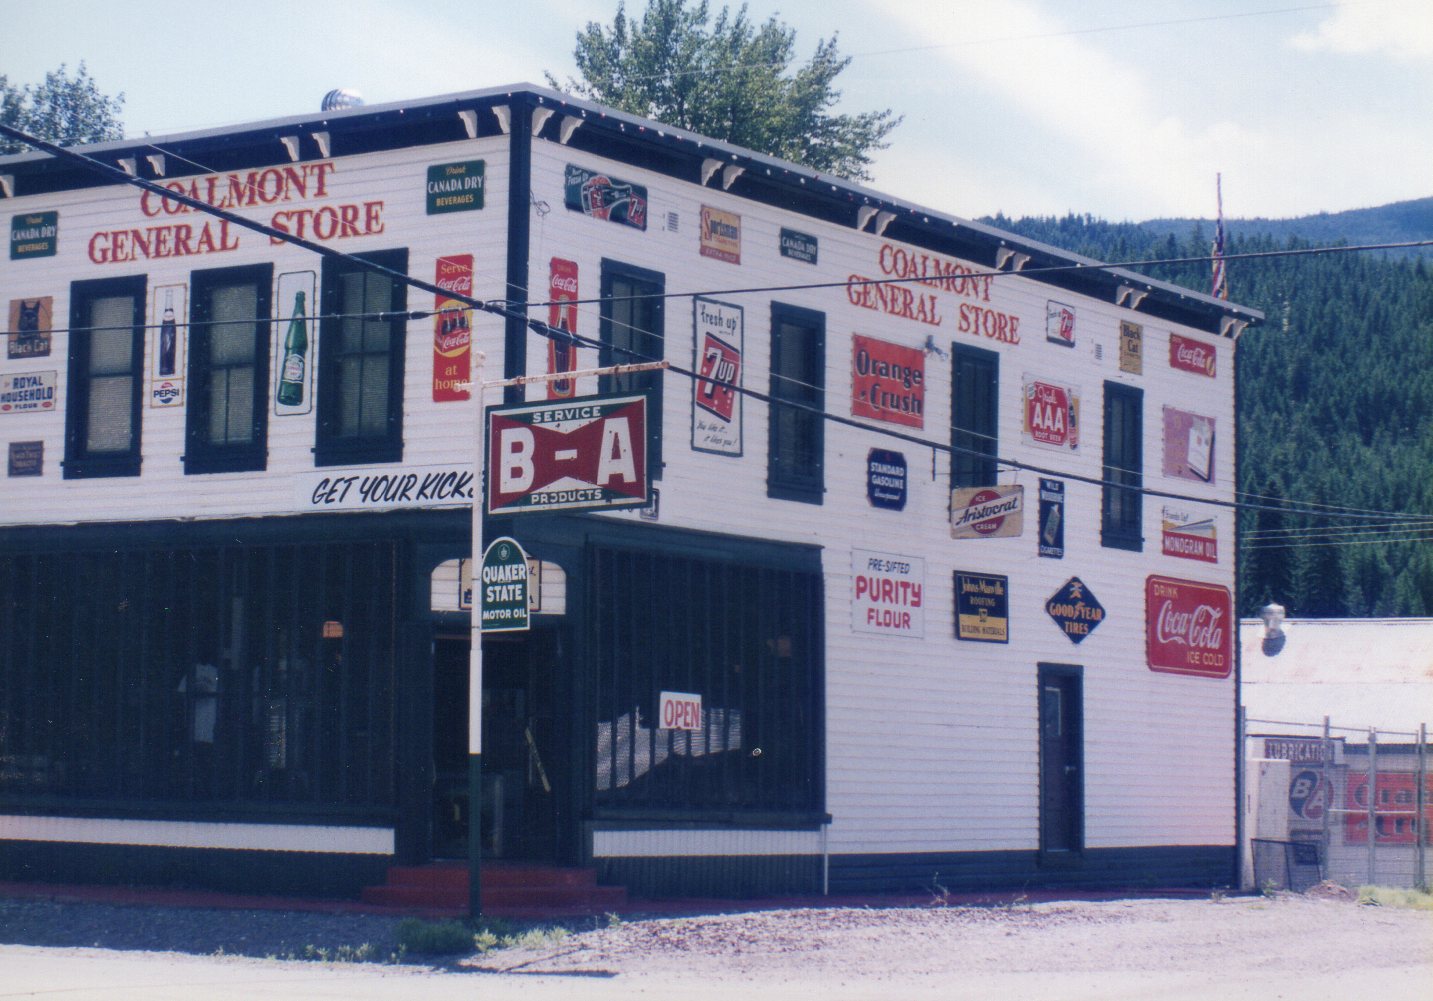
point(1336, 408)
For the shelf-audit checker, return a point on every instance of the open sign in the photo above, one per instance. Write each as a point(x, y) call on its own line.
point(679, 711)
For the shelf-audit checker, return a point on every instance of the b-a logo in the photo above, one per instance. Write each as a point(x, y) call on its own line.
point(1308, 795)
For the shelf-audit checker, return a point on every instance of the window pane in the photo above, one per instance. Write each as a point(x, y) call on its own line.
point(373, 394)
point(231, 337)
point(112, 339)
point(111, 400)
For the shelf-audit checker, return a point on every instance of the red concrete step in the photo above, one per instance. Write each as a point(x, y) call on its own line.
point(508, 888)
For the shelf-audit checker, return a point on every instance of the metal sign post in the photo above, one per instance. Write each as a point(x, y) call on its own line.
point(475, 657)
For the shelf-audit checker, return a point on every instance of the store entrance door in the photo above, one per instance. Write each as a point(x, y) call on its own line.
point(523, 778)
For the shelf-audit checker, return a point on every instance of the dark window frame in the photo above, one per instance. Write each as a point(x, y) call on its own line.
point(201, 455)
point(1121, 496)
point(974, 416)
point(331, 446)
point(654, 348)
point(793, 477)
point(80, 460)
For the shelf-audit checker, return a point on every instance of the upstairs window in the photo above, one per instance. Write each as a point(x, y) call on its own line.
point(1121, 505)
point(360, 370)
point(228, 371)
point(106, 377)
point(974, 414)
point(632, 330)
point(797, 436)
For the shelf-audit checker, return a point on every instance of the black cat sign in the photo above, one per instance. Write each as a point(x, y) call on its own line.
point(29, 327)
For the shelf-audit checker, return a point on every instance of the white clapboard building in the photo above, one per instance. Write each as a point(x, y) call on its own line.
point(932, 586)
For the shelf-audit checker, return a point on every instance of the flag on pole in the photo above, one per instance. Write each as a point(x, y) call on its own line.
point(1219, 287)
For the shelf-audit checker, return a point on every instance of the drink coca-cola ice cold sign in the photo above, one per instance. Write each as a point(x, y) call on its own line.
point(1188, 627)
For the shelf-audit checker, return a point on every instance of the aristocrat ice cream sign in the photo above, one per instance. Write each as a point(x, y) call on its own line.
point(887, 594)
point(1189, 627)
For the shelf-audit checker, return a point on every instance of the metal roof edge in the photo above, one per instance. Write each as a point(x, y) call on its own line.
point(650, 129)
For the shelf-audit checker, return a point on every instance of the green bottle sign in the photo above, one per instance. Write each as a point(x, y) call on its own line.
point(295, 363)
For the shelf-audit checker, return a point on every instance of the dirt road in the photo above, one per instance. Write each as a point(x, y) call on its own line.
point(1238, 949)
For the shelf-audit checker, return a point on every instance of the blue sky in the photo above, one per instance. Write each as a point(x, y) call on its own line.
point(1120, 108)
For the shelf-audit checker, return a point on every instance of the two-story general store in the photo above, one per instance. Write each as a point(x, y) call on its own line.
point(934, 580)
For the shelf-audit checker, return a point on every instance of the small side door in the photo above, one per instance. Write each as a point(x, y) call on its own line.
point(1062, 812)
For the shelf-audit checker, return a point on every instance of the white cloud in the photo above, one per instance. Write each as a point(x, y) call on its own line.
point(1403, 30)
point(1076, 102)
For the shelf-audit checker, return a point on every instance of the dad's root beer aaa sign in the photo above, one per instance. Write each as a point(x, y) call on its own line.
point(586, 452)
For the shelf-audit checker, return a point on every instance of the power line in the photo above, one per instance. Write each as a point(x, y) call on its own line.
point(510, 310)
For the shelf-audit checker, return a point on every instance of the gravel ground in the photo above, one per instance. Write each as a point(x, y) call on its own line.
point(890, 949)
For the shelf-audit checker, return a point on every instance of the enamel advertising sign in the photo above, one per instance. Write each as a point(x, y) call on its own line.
point(504, 582)
point(1131, 348)
point(1059, 323)
point(28, 392)
point(886, 479)
point(1189, 355)
point(1052, 518)
point(987, 512)
point(29, 331)
point(1188, 627)
point(887, 594)
point(452, 329)
point(590, 452)
point(1052, 414)
point(721, 235)
point(887, 382)
point(718, 332)
point(982, 607)
point(1189, 536)
point(595, 194)
point(1188, 445)
point(561, 315)
point(1075, 609)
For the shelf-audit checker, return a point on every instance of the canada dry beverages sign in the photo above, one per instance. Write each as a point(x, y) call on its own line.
point(1188, 627)
point(585, 452)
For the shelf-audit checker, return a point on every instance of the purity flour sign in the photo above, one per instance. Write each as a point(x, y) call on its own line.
point(887, 594)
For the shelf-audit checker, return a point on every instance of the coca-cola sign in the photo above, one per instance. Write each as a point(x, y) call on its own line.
point(1188, 627)
point(1189, 355)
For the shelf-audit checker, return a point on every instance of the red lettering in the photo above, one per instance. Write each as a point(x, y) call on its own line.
point(325, 223)
point(99, 248)
point(372, 218)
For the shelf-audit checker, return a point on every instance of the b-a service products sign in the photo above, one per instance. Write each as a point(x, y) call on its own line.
point(579, 453)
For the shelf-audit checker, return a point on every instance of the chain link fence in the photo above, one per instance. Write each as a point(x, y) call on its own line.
point(1326, 802)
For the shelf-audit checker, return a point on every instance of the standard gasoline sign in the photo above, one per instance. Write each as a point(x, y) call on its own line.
point(504, 588)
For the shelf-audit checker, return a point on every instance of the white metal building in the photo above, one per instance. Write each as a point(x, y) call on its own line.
point(974, 626)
